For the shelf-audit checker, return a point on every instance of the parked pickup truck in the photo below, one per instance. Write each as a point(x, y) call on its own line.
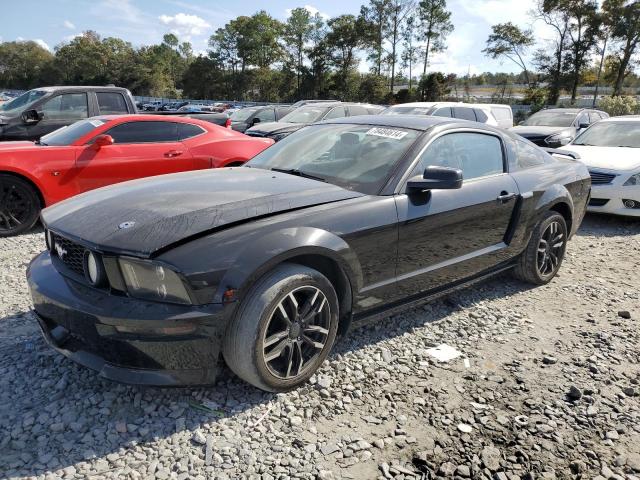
point(43, 110)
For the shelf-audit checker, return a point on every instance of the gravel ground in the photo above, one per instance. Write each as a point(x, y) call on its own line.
point(548, 387)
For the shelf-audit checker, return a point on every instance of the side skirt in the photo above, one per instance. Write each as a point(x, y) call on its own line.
point(367, 318)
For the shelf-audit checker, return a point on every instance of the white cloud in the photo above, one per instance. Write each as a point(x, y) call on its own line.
point(312, 10)
point(69, 25)
point(185, 25)
point(42, 43)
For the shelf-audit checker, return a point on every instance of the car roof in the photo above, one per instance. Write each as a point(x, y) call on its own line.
point(416, 122)
point(76, 87)
point(622, 118)
point(155, 118)
point(564, 110)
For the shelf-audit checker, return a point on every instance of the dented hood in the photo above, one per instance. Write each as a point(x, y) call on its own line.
point(144, 216)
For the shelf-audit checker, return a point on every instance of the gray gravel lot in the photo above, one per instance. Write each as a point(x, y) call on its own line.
point(551, 389)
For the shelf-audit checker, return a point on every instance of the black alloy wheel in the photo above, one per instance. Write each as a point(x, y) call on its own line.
point(19, 206)
point(550, 249)
point(284, 328)
point(297, 332)
point(542, 258)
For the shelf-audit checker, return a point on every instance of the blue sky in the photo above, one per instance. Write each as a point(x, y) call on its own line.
point(51, 22)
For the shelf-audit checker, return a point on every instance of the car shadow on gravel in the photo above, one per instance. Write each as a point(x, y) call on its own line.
point(55, 414)
point(608, 225)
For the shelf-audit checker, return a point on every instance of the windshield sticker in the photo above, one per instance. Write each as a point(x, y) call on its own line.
point(387, 133)
point(95, 123)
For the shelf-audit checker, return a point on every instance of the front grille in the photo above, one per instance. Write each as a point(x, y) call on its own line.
point(69, 253)
point(598, 202)
point(601, 178)
point(537, 139)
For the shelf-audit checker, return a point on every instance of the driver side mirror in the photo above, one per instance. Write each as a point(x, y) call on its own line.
point(436, 178)
point(31, 117)
point(583, 126)
point(102, 141)
point(255, 121)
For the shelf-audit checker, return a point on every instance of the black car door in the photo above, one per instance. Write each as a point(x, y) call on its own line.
point(448, 235)
point(59, 111)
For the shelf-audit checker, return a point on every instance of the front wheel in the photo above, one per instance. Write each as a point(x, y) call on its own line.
point(284, 329)
point(19, 205)
point(541, 260)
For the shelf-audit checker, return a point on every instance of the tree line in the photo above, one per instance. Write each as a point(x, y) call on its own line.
point(258, 57)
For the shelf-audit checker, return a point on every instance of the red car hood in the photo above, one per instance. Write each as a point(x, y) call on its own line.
point(17, 146)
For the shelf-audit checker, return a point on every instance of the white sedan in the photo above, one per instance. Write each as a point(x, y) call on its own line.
point(611, 151)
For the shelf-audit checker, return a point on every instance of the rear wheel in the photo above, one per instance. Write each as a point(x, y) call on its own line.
point(19, 205)
point(543, 256)
point(284, 329)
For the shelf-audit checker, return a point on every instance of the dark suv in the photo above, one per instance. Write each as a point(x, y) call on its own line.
point(43, 110)
point(246, 118)
point(308, 114)
point(555, 127)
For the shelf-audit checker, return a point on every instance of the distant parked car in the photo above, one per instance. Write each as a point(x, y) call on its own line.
point(104, 150)
point(555, 127)
point(611, 151)
point(475, 112)
point(43, 110)
point(308, 114)
point(152, 106)
point(246, 118)
point(172, 106)
point(301, 103)
point(221, 119)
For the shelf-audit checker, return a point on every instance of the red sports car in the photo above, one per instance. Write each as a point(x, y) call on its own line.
point(100, 151)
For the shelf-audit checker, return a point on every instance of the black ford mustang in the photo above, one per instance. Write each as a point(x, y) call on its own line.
point(152, 281)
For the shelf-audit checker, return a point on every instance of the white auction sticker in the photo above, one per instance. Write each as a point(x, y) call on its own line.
point(96, 123)
point(387, 133)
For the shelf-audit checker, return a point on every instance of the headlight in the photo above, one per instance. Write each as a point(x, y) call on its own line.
point(562, 138)
point(150, 281)
point(633, 180)
point(279, 136)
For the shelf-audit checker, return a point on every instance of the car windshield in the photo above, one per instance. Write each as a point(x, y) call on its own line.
point(23, 102)
point(611, 134)
point(407, 111)
point(68, 135)
point(307, 114)
point(551, 119)
point(355, 157)
point(242, 115)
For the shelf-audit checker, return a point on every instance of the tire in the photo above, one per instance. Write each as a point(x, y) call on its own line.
point(542, 258)
point(19, 205)
point(259, 329)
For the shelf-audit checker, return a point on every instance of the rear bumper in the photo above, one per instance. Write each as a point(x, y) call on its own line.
point(124, 339)
point(609, 199)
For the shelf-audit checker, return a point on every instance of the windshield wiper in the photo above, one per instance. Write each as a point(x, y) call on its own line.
point(627, 146)
point(299, 173)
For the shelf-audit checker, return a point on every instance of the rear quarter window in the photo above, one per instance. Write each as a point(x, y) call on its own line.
point(526, 155)
point(111, 103)
point(187, 130)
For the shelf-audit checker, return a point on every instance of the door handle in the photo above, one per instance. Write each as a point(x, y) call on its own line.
point(173, 153)
point(505, 197)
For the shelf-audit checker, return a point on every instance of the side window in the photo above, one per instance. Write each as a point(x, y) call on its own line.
point(527, 156)
point(282, 111)
point(68, 106)
point(337, 112)
point(476, 154)
point(186, 130)
point(266, 115)
point(480, 115)
point(443, 112)
point(357, 110)
point(582, 118)
point(111, 103)
point(144, 132)
point(594, 117)
point(464, 113)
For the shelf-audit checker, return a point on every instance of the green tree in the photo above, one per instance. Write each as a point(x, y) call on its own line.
point(25, 65)
point(436, 86)
point(510, 41)
point(623, 20)
point(297, 33)
point(435, 24)
point(410, 50)
point(343, 41)
point(400, 10)
point(375, 20)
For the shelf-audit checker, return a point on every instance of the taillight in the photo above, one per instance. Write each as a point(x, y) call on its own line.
point(227, 124)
